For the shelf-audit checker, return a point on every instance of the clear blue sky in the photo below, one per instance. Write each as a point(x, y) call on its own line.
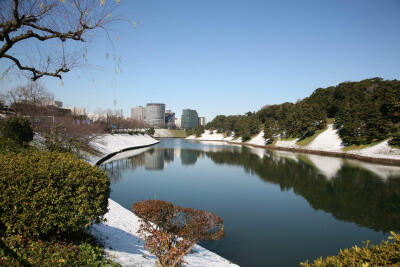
point(230, 57)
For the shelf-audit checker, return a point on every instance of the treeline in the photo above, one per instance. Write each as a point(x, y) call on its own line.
point(364, 112)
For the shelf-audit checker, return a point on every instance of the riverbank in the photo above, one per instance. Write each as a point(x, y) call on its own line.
point(111, 144)
point(119, 233)
point(327, 143)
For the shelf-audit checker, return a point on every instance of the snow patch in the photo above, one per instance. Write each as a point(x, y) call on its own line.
point(209, 135)
point(328, 140)
point(258, 140)
point(290, 144)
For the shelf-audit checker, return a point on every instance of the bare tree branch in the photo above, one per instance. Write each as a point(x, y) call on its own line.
point(36, 73)
point(45, 20)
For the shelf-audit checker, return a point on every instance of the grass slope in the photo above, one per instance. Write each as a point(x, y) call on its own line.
point(359, 147)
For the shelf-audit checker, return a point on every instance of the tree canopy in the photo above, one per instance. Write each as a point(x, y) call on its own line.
point(364, 112)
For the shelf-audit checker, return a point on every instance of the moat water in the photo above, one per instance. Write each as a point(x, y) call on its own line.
point(279, 208)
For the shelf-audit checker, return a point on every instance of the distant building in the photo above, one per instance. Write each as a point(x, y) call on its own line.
point(58, 104)
point(178, 122)
point(77, 111)
point(137, 113)
point(169, 119)
point(51, 102)
point(190, 118)
point(154, 114)
point(202, 121)
point(97, 116)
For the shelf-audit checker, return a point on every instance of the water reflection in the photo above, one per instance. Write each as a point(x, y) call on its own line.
point(364, 193)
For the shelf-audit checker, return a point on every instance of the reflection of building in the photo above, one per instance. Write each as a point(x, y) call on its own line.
point(202, 121)
point(190, 118)
point(154, 160)
point(169, 119)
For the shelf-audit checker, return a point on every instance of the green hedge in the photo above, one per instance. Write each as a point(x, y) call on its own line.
point(18, 251)
point(47, 193)
point(385, 254)
point(8, 145)
point(17, 129)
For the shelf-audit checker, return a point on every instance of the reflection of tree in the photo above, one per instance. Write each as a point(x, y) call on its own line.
point(356, 195)
point(115, 168)
point(169, 155)
point(189, 157)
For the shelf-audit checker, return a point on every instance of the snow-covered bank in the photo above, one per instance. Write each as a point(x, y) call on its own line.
point(124, 246)
point(169, 133)
point(327, 141)
point(111, 143)
point(119, 233)
point(211, 136)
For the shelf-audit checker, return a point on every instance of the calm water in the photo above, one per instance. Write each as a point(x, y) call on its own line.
point(278, 208)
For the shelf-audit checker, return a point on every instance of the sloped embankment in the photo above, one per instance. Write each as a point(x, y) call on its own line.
point(328, 143)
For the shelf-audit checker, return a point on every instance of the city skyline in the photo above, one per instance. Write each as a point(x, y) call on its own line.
point(230, 57)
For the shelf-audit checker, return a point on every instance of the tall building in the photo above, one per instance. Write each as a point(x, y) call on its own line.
point(137, 114)
point(178, 122)
point(169, 119)
point(154, 114)
point(202, 121)
point(190, 118)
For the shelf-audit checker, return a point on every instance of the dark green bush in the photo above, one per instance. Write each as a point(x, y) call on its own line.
point(46, 193)
point(189, 131)
point(395, 141)
point(198, 130)
point(17, 129)
point(150, 131)
point(385, 254)
point(9, 145)
point(19, 251)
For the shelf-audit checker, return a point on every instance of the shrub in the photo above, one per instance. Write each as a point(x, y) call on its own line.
point(150, 131)
point(47, 193)
point(17, 129)
point(18, 251)
point(8, 145)
point(395, 141)
point(189, 131)
point(198, 130)
point(245, 137)
point(170, 231)
point(385, 254)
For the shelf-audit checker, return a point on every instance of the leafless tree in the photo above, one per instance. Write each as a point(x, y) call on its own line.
point(34, 93)
point(56, 27)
